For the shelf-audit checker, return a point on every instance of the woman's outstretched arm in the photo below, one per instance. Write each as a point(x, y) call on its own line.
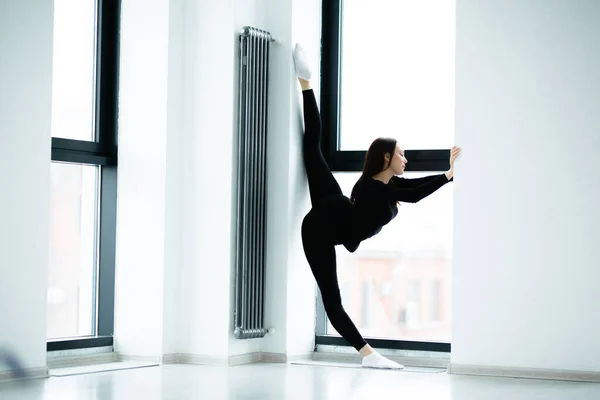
point(414, 190)
point(418, 192)
point(410, 183)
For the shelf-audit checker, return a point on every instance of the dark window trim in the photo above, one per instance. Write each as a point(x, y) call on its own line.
point(80, 152)
point(419, 160)
point(387, 344)
point(107, 110)
point(105, 280)
point(101, 152)
point(79, 343)
point(107, 78)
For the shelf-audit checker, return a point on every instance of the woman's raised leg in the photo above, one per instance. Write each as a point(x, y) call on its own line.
point(321, 181)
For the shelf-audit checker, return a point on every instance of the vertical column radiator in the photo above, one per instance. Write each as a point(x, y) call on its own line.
point(251, 235)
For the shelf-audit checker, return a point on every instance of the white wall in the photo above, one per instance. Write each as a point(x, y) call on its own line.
point(301, 288)
point(279, 16)
point(174, 181)
point(525, 271)
point(208, 122)
point(142, 179)
point(26, 31)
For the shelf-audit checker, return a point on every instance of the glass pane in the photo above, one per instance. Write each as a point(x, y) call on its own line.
point(397, 284)
point(74, 69)
point(73, 250)
point(398, 73)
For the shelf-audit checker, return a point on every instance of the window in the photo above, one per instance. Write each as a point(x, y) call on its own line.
point(435, 300)
point(83, 174)
point(413, 305)
point(73, 70)
point(73, 250)
point(398, 73)
point(388, 70)
point(364, 297)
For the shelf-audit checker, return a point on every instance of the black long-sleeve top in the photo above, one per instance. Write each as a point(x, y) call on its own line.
point(375, 203)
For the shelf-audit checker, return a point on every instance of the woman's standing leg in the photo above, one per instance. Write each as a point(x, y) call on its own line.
point(322, 260)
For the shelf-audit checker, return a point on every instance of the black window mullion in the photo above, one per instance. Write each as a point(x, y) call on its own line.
point(330, 76)
point(79, 343)
point(107, 67)
point(418, 160)
point(328, 340)
point(78, 151)
point(105, 283)
point(106, 126)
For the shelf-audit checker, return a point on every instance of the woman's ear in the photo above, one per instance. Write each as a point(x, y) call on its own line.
point(387, 160)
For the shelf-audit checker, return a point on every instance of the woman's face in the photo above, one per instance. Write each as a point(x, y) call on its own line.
point(398, 163)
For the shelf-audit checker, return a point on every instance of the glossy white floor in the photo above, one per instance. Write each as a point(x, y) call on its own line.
point(280, 381)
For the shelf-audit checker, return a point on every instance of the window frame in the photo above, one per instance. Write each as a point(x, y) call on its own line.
point(102, 153)
point(420, 160)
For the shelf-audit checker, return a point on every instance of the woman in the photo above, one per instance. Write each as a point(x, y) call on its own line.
point(336, 219)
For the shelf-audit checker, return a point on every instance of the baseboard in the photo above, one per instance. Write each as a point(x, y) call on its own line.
point(133, 357)
point(300, 357)
point(31, 373)
point(170, 359)
point(278, 358)
point(412, 361)
point(197, 359)
point(527, 373)
point(80, 360)
point(239, 359)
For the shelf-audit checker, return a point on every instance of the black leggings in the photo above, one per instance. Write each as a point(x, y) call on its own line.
point(321, 225)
